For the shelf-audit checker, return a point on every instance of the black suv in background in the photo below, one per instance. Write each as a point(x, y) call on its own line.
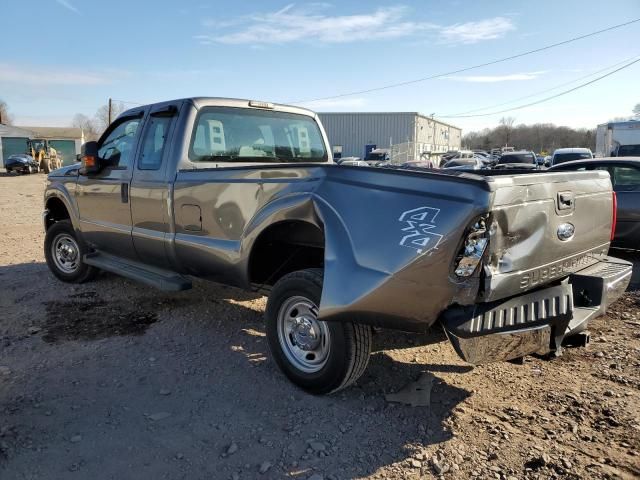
point(522, 159)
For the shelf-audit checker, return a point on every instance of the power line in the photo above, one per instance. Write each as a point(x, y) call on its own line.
point(473, 67)
point(540, 92)
point(520, 107)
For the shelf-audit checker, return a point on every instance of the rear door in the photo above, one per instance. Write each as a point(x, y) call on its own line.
point(103, 198)
point(150, 186)
point(626, 184)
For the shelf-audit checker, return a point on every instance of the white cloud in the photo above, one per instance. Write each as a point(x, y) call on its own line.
point(473, 32)
point(311, 23)
point(34, 76)
point(512, 77)
point(66, 4)
point(291, 24)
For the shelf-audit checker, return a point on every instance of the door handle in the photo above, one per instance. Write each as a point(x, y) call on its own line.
point(124, 192)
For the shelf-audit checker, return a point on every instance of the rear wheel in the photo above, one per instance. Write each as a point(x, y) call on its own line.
point(64, 252)
point(320, 357)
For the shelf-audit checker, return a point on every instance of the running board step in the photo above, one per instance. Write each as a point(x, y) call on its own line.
point(162, 279)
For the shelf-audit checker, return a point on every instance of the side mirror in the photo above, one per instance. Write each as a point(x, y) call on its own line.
point(89, 161)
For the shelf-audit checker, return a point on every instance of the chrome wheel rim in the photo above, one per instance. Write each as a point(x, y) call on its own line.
point(65, 253)
point(304, 339)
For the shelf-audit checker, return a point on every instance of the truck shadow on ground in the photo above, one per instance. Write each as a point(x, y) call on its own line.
point(235, 393)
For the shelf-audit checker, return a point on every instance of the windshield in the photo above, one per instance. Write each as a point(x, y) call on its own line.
point(223, 134)
point(37, 144)
point(517, 158)
point(568, 157)
point(629, 151)
point(376, 156)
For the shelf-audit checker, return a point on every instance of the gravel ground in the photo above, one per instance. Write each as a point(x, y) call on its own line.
point(113, 380)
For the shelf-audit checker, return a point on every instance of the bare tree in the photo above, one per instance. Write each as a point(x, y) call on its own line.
point(87, 125)
point(102, 115)
point(5, 117)
point(636, 110)
point(506, 127)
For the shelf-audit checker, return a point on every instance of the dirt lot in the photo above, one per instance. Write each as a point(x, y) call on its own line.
point(112, 380)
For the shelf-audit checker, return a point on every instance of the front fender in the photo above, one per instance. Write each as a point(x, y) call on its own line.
point(60, 192)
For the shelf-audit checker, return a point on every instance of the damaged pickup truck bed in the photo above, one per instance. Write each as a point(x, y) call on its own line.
point(246, 193)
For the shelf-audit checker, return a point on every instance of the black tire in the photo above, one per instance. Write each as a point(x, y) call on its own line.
point(63, 231)
point(349, 343)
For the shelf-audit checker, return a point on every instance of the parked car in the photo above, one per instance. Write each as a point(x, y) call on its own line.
point(246, 193)
point(377, 155)
point(625, 178)
point(418, 164)
point(21, 163)
point(464, 164)
point(521, 159)
point(562, 155)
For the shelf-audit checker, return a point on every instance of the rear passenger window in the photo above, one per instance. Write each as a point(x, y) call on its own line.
point(154, 142)
point(225, 134)
point(626, 179)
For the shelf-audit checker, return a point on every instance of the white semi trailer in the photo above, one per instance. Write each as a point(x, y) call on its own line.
point(618, 139)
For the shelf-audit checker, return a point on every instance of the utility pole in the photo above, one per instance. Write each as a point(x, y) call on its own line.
point(110, 110)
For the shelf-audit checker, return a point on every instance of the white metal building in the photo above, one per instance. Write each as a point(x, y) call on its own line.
point(409, 135)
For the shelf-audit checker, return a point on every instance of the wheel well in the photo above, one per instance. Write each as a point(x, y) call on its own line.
point(56, 211)
point(283, 248)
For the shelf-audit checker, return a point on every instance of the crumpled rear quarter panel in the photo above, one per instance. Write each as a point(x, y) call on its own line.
point(391, 240)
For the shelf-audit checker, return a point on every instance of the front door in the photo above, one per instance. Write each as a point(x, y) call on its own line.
point(150, 186)
point(103, 198)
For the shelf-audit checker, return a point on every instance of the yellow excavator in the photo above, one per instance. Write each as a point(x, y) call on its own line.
point(47, 157)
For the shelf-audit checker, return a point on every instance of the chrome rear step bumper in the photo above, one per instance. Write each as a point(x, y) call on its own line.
point(535, 322)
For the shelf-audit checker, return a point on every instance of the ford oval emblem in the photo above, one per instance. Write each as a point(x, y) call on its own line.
point(566, 231)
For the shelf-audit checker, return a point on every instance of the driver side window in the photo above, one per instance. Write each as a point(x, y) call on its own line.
point(118, 147)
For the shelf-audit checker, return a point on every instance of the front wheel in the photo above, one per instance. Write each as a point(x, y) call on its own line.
point(319, 357)
point(63, 252)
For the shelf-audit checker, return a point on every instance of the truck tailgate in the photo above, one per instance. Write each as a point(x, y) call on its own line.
point(532, 220)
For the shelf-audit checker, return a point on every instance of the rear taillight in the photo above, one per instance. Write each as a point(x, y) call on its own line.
point(614, 218)
point(473, 249)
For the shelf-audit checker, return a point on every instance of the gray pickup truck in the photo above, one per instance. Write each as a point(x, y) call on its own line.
point(246, 193)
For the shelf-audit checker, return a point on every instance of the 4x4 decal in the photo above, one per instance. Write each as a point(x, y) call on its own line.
point(418, 229)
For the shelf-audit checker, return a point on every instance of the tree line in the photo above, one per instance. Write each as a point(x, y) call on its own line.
point(539, 137)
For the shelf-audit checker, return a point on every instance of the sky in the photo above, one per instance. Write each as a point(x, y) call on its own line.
point(62, 57)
